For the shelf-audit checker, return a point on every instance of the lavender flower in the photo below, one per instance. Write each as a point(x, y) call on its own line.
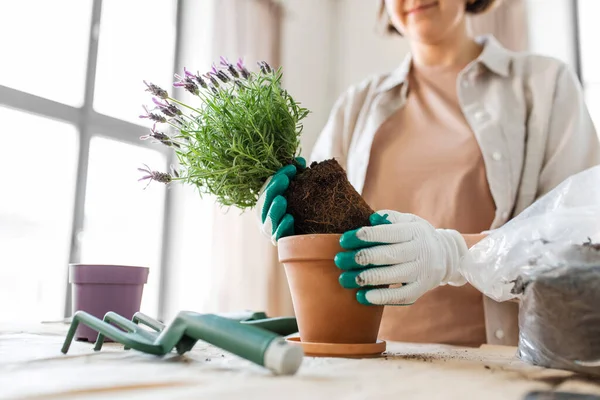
point(152, 116)
point(160, 137)
point(264, 67)
point(194, 77)
point(156, 90)
point(219, 74)
point(242, 69)
point(170, 110)
point(157, 176)
point(223, 77)
point(188, 74)
point(187, 83)
point(226, 64)
point(211, 79)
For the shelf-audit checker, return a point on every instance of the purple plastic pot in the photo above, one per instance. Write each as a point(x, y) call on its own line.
point(98, 289)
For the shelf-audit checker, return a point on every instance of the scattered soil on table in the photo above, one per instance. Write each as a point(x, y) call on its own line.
point(322, 200)
point(435, 357)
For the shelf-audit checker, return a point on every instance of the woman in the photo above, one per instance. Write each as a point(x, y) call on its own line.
point(462, 136)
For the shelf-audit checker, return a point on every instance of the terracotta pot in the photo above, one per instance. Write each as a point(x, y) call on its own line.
point(326, 312)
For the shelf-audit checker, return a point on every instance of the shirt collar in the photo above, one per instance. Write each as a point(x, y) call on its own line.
point(495, 57)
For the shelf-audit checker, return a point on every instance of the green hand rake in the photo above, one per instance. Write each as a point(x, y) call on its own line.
point(250, 335)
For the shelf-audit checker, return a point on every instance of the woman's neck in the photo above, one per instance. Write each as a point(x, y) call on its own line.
point(455, 50)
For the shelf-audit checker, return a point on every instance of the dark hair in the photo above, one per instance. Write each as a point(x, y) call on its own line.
point(473, 7)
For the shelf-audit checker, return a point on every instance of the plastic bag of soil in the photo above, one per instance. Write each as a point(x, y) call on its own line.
point(559, 312)
point(548, 258)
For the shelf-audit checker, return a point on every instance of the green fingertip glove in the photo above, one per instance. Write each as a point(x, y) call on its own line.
point(350, 241)
point(348, 261)
point(271, 206)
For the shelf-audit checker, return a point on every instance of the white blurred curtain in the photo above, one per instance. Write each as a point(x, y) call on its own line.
point(245, 270)
point(507, 22)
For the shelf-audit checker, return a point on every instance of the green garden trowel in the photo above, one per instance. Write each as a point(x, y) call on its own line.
point(250, 335)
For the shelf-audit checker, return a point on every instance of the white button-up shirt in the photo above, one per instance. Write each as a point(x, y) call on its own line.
point(527, 113)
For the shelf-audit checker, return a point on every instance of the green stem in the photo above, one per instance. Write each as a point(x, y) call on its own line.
point(183, 104)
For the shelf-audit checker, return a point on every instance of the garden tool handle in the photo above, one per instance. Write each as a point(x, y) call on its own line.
point(255, 344)
point(283, 326)
point(244, 315)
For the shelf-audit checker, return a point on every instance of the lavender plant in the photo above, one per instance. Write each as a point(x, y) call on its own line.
point(245, 127)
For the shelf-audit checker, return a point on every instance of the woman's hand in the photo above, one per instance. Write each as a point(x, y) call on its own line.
point(399, 249)
point(271, 206)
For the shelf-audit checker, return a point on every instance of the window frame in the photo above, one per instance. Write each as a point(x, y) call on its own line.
point(88, 123)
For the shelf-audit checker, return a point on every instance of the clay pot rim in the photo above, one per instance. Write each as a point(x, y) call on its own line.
point(309, 247)
point(291, 237)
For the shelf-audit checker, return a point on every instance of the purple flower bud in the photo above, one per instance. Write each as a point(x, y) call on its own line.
point(242, 69)
point(170, 110)
point(201, 81)
point(153, 117)
point(226, 64)
point(264, 67)
point(156, 90)
point(154, 176)
point(223, 77)
point(211, 79)
point(187, 83)
point(188, 74)
point(160, 137)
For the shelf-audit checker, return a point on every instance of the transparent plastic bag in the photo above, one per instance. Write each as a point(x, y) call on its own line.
point(537, 237)
point(548, 258)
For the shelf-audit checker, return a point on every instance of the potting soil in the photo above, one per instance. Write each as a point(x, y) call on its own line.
point(322, 200)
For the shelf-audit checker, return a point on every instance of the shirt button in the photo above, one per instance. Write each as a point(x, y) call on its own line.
point(479, 115)
point(499, 334)
point(497, 156)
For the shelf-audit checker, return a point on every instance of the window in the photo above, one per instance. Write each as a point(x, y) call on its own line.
point(40, 63)
point(36, 211)
point(137, 39)
point(589, 59)
point(122, 222)
point(70, 98)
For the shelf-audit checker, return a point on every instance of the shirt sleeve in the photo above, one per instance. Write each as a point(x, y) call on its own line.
point(329, 144)
point(334, 139)
point(572, 142)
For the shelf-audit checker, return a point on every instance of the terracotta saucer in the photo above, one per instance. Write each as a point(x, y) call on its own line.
point(346, 350)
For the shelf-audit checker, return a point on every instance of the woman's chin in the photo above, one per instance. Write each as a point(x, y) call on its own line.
point(426, 34)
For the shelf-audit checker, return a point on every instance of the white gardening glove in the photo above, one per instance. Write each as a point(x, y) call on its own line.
point(399, 249)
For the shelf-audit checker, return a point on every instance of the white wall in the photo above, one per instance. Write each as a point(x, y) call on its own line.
point(307, 47)
point(329, 45)
point(361, 46)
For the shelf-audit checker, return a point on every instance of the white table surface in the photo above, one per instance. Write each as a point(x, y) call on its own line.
point(32, 367)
